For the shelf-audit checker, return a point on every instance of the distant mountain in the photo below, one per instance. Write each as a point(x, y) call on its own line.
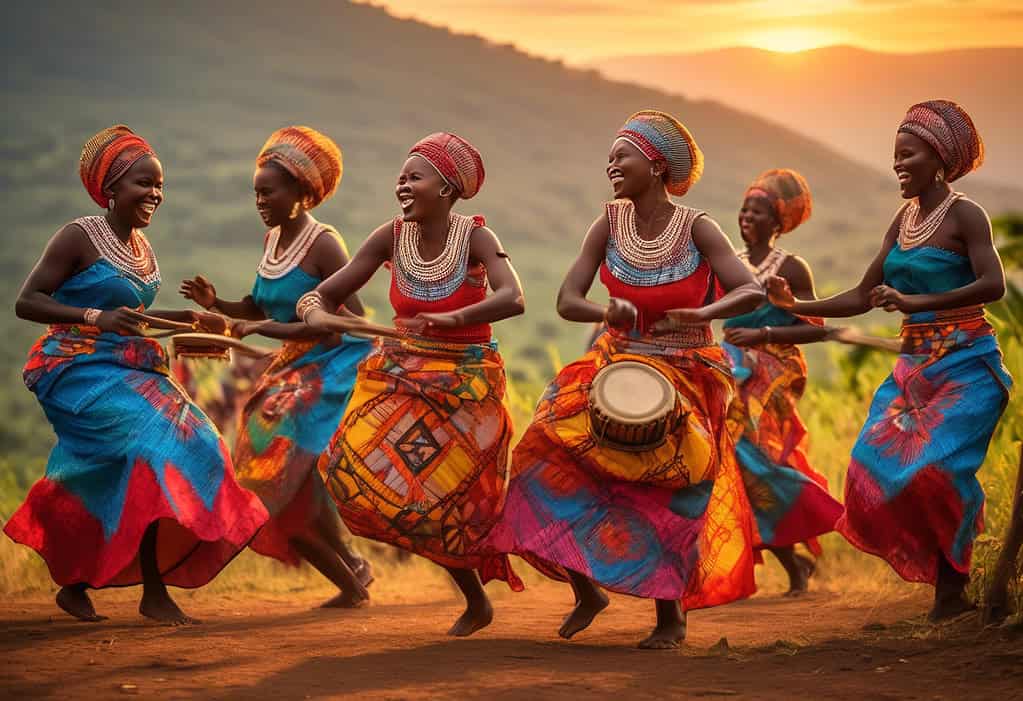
point(206, 82)
point(849, 98)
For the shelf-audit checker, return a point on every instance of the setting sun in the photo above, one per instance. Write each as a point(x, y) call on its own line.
point(789, 40)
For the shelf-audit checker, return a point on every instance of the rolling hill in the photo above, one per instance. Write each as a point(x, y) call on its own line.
point(848, 97)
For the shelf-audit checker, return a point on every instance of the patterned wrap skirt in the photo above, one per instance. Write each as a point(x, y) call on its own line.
point(667, 523)
point(284, 426)
point(790, 500)
point(132, 449)
point(911, 494)
point(420, 460)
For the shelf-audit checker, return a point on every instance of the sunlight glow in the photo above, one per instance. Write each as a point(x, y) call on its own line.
point(789, 40)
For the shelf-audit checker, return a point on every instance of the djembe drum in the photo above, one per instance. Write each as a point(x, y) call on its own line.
point(633, 406)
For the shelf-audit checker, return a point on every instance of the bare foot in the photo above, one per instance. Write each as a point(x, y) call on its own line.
point(160, 607)
point(950, 607)
point(76, 601)
point(799, 575)
point(583, 614)
point(665, 637)
point(364, 572)
point(348, 600)
point(475, 617)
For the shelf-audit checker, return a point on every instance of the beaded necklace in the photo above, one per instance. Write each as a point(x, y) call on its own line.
point(769, 266)
point(912, 231)
point(134, 258)
point(272, 266)
point(438, 278)
point(668, 257)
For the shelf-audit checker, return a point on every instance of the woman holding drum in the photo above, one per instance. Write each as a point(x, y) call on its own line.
point(139, 488)
point(790, 501)
point(626, 479)
point(911, 494)
point(420, 459)
point(299, 400)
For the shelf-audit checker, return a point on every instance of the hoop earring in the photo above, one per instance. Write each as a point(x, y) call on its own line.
point(294, 211)
point(445, 194)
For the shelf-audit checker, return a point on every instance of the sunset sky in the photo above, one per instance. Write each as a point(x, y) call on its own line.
point(580, 30)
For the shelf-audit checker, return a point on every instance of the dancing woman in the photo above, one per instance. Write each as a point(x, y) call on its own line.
point(420, 459)
point(670, 523)
point(139, 487)
point(912, 495)
point(790, 501)
point(299, 399)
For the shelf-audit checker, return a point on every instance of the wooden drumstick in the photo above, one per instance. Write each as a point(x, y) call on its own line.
point(852, 336)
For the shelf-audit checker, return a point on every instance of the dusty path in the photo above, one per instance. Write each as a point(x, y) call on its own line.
point(821, 646)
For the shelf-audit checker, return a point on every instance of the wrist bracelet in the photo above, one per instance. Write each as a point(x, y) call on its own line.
point(308, 303)
point(91, 316)
point(767, 334)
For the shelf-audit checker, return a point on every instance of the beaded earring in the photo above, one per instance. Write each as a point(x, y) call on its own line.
point(294, 211)
point(939, 177)
point(110, 204)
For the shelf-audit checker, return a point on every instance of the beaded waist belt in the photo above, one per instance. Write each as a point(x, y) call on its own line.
point(684, 336)
point(937, 333)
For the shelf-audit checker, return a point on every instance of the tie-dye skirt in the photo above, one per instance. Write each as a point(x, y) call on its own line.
point(790, 500)
point(671, 522)
point(286, 423)
point(132, 449)
point(912, 494)
point(420, 460)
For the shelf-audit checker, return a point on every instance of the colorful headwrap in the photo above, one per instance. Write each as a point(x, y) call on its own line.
point(661, 137)
point(457, 161)
point(788, 193)
point(950, 132)
point(312, 158)
point(107, 156)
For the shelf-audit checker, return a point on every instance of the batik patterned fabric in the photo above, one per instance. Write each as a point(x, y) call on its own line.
point(666, 523)
point(912, 494)
point(420, 459)
point(671, 522)
point(289, 418)
point(131, 449)
point(790, 500)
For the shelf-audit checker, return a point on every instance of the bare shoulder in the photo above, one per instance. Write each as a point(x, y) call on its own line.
point(708, 234)
point(969, 213)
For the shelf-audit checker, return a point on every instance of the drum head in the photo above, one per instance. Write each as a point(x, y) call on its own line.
point(632, 393)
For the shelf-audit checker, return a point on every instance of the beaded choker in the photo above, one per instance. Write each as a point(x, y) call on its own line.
point(769, 266)
point(273, 266)
point(134, 258)
point(912, 231)
point(669, 257)
point(438, 278)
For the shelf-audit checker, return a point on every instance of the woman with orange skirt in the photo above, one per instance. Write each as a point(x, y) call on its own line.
point(420, 459)
point(790, 501)
point(669, 522)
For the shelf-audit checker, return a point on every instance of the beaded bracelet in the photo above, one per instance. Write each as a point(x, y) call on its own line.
point(91, 316)
point(307, 303)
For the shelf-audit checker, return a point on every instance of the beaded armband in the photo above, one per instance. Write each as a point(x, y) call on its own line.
point(91, 316)
point(307, 303)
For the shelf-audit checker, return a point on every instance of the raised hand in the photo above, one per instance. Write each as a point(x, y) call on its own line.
point(779, 292)
point(199, 290)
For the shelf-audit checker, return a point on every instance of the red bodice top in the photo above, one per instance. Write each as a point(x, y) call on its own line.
point(444, 284)
point(666, 273)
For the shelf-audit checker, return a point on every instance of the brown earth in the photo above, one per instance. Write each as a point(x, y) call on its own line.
point(822, 645)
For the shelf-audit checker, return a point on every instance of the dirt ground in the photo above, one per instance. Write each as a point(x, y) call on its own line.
point(820, 646)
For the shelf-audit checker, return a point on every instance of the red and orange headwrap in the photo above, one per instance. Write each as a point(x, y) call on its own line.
point(788, 193)
point(948, 129)
point(661, 137)
point(457, 161)
point(107, 156)
point(312, 158)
